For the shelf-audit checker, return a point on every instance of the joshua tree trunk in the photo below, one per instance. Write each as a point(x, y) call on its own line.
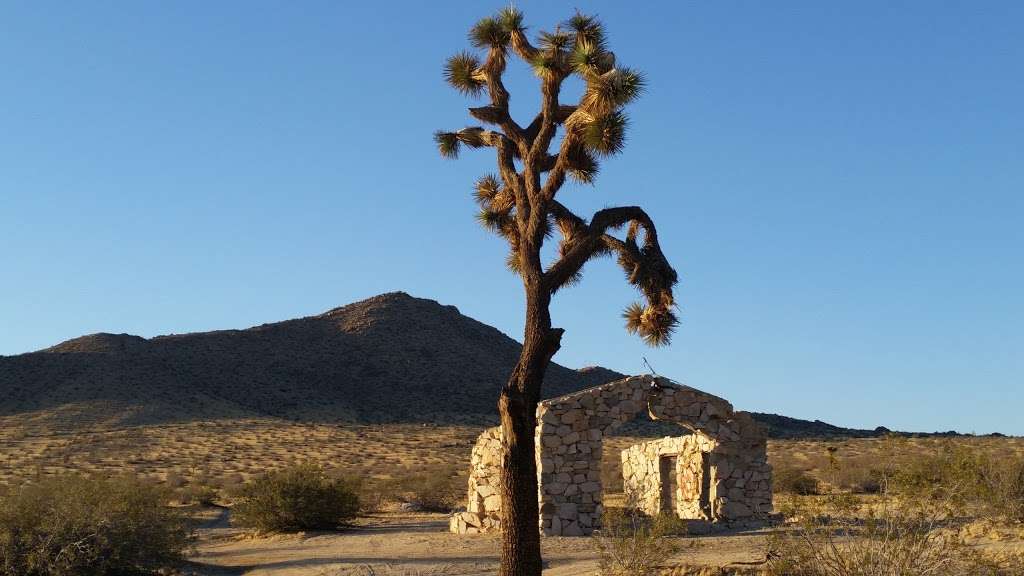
point(520, 553)
point(520, 550)
point(520, 205)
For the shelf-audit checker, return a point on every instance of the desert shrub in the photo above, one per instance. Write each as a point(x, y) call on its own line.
point(904, 540)
point(77, 525)
point(630, 544)
point(438, 488)
point(857, 475)
point(790, 480)
point(866, 481)
point(174, 480)
point(201, 494)
point(297, 498)
point(668, 524)
point(1004, 488)
point(373, 493)
point(232, 487)
point(989, 485)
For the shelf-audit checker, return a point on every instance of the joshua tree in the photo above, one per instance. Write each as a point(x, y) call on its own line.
point(522, 206)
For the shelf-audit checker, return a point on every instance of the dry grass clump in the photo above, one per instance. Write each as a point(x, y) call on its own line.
point(630, 544)
point(77, 525)
point(297, 498)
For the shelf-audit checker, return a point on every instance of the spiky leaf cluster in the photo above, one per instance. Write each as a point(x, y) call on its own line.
point(511, 20)
point(612, 90)
point(546, 65)
point(489, 33)
point(556, 42)
point(487, 188)
point(646, 268)
point(607, 135)
point(461, 72)
point(583, 167)
point(588, 60)
point(653, 323)
point(497, 207)
point(447, 143)
point(588, 29)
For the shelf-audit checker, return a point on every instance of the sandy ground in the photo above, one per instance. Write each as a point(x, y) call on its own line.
point(419, 544)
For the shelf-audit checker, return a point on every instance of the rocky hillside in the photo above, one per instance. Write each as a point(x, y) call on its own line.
point(386, 359)
point(391, 358)
point(786, 427)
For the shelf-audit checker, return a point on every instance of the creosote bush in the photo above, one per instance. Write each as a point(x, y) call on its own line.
point(790, 480)
point(294, 499)
point(631, 544)
point(437, 489)
point(84, 526)
point(433, 488)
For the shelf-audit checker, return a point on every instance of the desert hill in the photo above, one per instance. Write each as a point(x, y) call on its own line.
point(390, 358)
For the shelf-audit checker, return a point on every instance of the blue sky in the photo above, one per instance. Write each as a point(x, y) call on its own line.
point(838, 184)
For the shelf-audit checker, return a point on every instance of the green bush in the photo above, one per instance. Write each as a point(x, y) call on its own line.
point(298, 498)
point(789, 480)
point(82, 526)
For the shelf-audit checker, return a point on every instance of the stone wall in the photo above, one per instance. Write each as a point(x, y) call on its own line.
point(483, 504)
point(741, 476)
point(569, 439)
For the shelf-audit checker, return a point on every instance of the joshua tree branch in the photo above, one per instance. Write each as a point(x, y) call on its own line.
point(478, 137)
point(556, 175)
point(531, 131)
point(546, 163)
point(611, 218)
point(593, 239)
point(522, 46)
point(497, 113)
point(550, 108)
point(514, 182)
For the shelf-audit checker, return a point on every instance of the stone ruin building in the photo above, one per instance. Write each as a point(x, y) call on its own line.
point(719, 473)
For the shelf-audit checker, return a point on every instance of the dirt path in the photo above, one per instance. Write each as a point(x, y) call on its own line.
point(420, 545)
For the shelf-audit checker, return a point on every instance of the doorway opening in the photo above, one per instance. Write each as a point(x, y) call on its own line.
point(669, 483)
